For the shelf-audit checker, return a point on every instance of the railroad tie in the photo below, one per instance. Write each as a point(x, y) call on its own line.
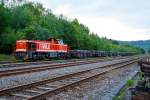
point(2, 99)
point(21, 95)
point(32, 91)
point(44, 88)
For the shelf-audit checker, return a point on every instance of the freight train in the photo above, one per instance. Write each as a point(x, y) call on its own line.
point(55, 48)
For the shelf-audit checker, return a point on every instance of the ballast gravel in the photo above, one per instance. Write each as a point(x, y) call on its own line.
point(11, 81)
point(102, 88)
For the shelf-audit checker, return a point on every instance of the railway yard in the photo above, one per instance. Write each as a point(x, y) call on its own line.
point(75, 79)
point(70, 50)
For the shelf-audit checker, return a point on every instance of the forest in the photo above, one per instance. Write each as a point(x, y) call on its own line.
point(32, 21)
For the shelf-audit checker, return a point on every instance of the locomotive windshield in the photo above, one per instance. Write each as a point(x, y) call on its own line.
point(60, 41)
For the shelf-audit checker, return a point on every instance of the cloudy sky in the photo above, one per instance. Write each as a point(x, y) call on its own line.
point(116, 19)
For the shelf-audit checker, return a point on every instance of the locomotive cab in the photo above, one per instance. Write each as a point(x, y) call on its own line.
point(56, 41)
point(59, 41)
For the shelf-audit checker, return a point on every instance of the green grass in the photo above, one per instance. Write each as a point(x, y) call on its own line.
point(120, 96)
point(129, 84)
point(9, 58)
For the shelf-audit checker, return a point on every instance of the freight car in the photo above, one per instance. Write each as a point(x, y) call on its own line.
point(55, 48)
point(96, 53)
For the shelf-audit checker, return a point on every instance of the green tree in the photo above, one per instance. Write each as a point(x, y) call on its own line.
point(32, 21)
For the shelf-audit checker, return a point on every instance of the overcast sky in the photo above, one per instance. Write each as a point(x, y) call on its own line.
point(116, 19)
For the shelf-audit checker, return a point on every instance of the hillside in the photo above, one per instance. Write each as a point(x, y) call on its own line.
point(33, 22)
point(142, 44)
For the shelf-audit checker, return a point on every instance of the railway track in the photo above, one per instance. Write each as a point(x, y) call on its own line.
point(18, 71)
point(11, 64)
point(18, 64)
point(42, 89)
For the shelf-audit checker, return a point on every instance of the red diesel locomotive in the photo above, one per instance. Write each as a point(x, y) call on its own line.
point(38, 49)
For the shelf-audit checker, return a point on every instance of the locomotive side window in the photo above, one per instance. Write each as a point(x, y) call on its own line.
point(33, 45)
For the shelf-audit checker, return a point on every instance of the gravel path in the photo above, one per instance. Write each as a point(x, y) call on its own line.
point(102, 88)
point(11, 81)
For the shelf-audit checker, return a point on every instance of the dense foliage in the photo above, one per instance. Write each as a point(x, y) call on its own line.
point(32, 21)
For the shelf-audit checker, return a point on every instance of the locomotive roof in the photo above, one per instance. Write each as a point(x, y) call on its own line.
point(58, 41)
point(32, 41)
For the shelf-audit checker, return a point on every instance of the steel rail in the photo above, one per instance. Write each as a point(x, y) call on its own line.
point(46, 61)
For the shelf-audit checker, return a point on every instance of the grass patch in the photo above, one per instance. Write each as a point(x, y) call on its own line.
point(130, 83)
point(121, 94)
point(9, 58)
